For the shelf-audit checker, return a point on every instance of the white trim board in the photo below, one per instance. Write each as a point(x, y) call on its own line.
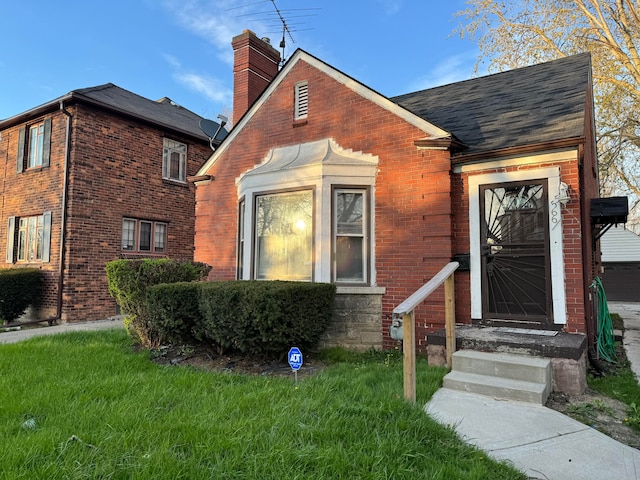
point(552, 174)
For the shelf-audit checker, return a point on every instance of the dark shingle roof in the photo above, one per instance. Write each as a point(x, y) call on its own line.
point(163, 112)
point(536, 104)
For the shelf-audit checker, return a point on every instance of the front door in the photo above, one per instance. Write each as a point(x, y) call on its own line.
point(514, 248)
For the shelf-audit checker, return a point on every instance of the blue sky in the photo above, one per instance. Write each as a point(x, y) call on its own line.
point(182, 48)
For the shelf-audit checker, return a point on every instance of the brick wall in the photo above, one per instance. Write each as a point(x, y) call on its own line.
point(115, 171)
point(412, 197)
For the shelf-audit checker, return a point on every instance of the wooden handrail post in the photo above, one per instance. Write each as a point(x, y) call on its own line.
point(409, 351)
point(450, 318)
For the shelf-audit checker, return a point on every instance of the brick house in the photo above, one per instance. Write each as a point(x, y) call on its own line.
point(92, 176)
point(324, 179)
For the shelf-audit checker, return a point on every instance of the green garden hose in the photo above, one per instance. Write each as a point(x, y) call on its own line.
point(605, 339)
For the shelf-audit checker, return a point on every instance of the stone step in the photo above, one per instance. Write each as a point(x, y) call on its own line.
point(497, 387)
point(503, 365)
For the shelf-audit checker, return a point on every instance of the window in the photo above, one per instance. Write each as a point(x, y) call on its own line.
point(33, 238)
point(316, 221)
point(349, 241)
point(144, 236)
point(283, 225)
point(34, 145)
point(36, 142)
point(174, 161)
point(301, 100)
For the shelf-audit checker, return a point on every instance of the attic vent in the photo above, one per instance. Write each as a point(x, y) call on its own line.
point(301, 92)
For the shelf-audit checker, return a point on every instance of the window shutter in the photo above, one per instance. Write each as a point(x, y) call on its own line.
point(46, 147)
point(21, 138)
point(11, 237)
point(46, 238)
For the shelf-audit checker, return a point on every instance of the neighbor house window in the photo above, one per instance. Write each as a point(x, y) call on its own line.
point(29, 238)
point(174, 160)
point(34, 145)
point(350, 235)
point(144, 236)
point(301, 100)
point(284, 242)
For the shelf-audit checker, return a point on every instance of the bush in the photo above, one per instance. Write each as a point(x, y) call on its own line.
point(265, 318)
point(128, 281)
point(174, 311)
point(19, 288)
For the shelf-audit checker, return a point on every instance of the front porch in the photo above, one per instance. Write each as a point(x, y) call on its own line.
point(567, 352)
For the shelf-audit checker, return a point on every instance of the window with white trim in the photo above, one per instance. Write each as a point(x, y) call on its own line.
point(174, 160)
point(29, 238)
point(350, 235)
point(34, 145)
point(301, 100)
point(241, 240)
point(284, 243)
point(144, 236)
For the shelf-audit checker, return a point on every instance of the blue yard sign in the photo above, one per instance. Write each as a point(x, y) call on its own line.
point(295, 358)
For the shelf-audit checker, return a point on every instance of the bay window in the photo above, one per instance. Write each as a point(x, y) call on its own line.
point(350, 239)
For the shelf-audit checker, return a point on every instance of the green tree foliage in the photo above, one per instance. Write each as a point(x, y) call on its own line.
point(518, 33)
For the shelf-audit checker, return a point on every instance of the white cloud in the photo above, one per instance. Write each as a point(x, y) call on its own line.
point(453, 69)
point(218, 21)
point(390, 7)
point(210, 87)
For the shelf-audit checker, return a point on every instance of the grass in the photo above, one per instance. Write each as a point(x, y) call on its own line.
point(86, 405)
point(620, 383)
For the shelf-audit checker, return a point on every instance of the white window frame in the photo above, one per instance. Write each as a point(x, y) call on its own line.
point(299, 227)
point(131, 238)
point(363, 234)
point(36, 145)
point(171, 147)
point(339, 168)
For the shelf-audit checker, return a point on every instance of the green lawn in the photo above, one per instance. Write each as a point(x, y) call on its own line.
point(85, 405)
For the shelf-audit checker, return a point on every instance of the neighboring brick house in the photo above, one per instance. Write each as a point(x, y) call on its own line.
point(324, 179)
point(96, 175)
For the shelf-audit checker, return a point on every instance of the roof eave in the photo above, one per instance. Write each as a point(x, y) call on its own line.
point(475, 157)
point(77, 97)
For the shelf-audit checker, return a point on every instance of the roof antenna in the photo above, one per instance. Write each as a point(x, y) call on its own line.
point(285, 31)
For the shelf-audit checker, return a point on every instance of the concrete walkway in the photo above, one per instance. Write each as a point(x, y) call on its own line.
point(539, 441)
point(24, 333)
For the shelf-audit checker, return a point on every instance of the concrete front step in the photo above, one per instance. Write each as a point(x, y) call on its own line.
point(504, 365)
point(501, 375)
point(497, 387)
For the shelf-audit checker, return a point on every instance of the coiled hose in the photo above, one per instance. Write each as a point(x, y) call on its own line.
point(605, 339)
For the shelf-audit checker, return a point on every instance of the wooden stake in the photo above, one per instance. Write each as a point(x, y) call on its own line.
point(450, 317)
point(409, 350)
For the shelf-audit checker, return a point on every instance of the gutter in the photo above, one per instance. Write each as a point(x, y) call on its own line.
point(63, 221)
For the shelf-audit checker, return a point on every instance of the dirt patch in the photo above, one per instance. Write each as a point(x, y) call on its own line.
point(243, 364)
point(605, 414)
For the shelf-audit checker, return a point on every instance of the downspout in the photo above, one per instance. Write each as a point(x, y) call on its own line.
point(63, 221)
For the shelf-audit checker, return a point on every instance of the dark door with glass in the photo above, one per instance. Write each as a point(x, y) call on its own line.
point(514, 229)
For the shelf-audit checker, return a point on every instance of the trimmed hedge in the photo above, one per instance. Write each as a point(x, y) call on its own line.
point(262, 318)
point(129, 280)
point(19, 288)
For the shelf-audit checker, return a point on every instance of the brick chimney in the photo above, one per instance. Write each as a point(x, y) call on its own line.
point(255, 64)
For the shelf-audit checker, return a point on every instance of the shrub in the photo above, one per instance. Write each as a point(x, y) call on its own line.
point(19, 288)
point(128, 281)
point(174, 311)
point(265, 318)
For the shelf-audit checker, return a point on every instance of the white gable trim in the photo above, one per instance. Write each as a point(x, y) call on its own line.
point(350, 83)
